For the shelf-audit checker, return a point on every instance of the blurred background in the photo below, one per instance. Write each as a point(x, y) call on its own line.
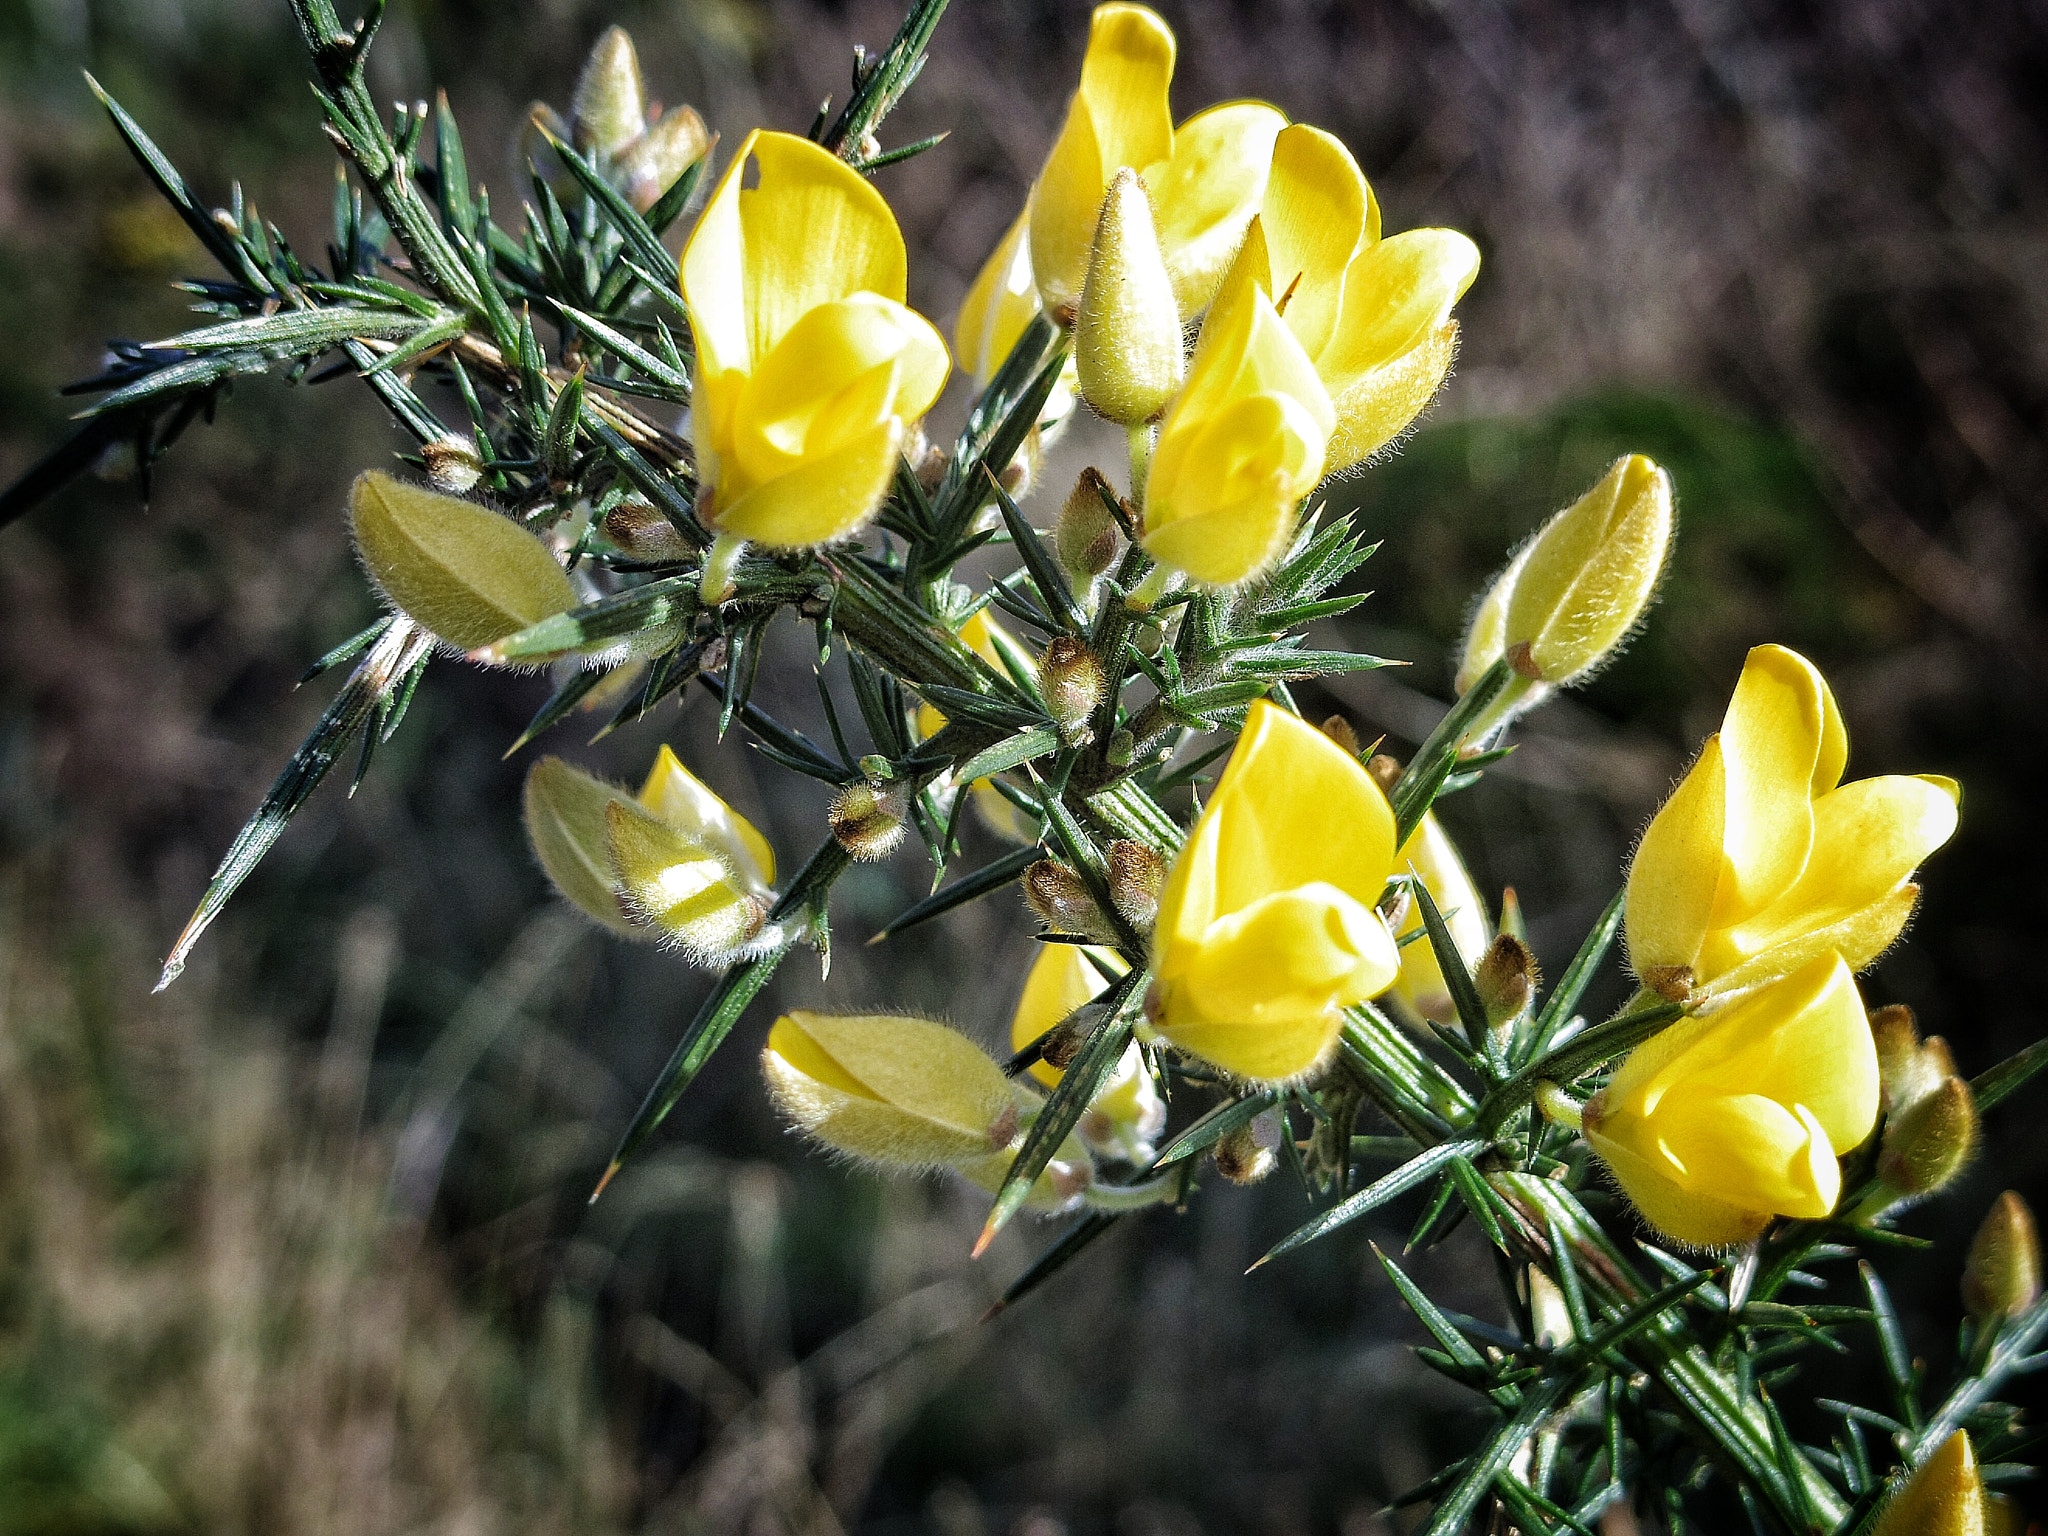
point(301, 1245)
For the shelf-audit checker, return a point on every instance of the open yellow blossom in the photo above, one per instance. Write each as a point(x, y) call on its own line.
point(1730, 1118)
point(906, 1094)
point(1127, 1112)
point(1372, 315)
point(1434, 857)
point(1241, 445)
point(1267, 927)
point(1205, 178)
point(1762, 858)
point(809, 367)
point(1943, 1497)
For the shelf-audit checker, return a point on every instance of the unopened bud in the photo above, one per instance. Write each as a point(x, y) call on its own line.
point(1927, 1143)
point(463, 572)
point(1071, 679)
point(453, 464)
point(1022, 473)
point(1065, 1040)
point(1127, 333)
point(565, 822)
point(869, 819)
point(609, 110)
point(1085, 536)
point(1339, 730)
point(652, 163)
point(640, 530)
point(1506, 979)
point(1063, 902)
point(1908, 1068)
point(1548, 1312)
point(1247, 1154)
point(1385, 770)
point(1137, 874)
point(1571, 598)
point(2002, 1275)
point(1943, 1497)
point(1123, 746)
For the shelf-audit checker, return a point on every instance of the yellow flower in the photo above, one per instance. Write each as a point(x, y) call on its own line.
point(1127, 1111)
point(905, 1094)
point(1762, 858)
point(1421, 983)
point(1372, 315)
point(1205, 178)
point(809, 367)
point(1727, 1119)
point(1943, 1497)
point(1241, 445)
point(1267, 927)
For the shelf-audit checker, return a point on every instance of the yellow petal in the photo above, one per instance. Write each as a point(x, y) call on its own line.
point(1397, 295)
point(1314, 215)
point(1222, 502)
point(1207, 192)
point(1296, 952)
point(824, 499)
point(1749, 1151)
point(684, 887)
point(1859, 937)
point(1119, 117)
point(1771, 748)
point(1943, 1497)
point(1002, 301)
point(691, 806)
point(1688, 1218)
point(1676, 868)
point(1430, 851)
point(1063, 978)
point(1377, 406)
point(1486, 634)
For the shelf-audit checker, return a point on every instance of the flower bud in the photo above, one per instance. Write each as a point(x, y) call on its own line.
point(453, 464)
point(565, 822)
point(1926, 1144)
point(901, 1093)
point(640, 530)
point(1548, 1312)
point(1943, 1497)
point(1340, 730)
point(1589, 575)
point(2002, 1275)
point(1506, 979)
point(1063, 902)
point(1085, 536)
point(1127, 333)
point(1071, 679)
point(652, 163)
point(609, 110)
point(1909, 1068)
point(869, 819)
point(1137, 874)
point(1247, 1154)
point(463, 572)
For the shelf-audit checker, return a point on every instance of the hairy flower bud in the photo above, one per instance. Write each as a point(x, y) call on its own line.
point(609, 110)
point(1137, 874)
point(565, 822)
point(1341, 731)
point(463, 572)
point(640, 530)
point(1085, 536)
point(1247, 1154)
point(453, 463)
point(1943, 1497)
point(1926, 1144)
point(1063, 902)
point(1127, 333)
point(1072, 681)
point(1909, 1068)
point(652, 163)
point(2002, 1275)
point(869, 819)
point(1506, 979)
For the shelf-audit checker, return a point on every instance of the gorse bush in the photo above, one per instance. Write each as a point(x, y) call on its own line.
point(1263, 954)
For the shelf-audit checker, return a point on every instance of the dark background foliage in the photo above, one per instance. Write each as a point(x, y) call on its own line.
point(302, 1243)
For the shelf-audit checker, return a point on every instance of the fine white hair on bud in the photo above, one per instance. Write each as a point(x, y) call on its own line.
point(1127, 331)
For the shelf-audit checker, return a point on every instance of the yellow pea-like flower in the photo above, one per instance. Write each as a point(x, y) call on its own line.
point(1205, 178)
point(690, 867)
point(1730, 1118)
point(810, 369)
point(1127, 1112)
point(1572, 596)
point(464, 573)
point(1373, 315)
point(1435, 858)
point(1943, 1497)
point(1762, 858)
point(905, 1094)
point(1242, 444)
point(1267, 927)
